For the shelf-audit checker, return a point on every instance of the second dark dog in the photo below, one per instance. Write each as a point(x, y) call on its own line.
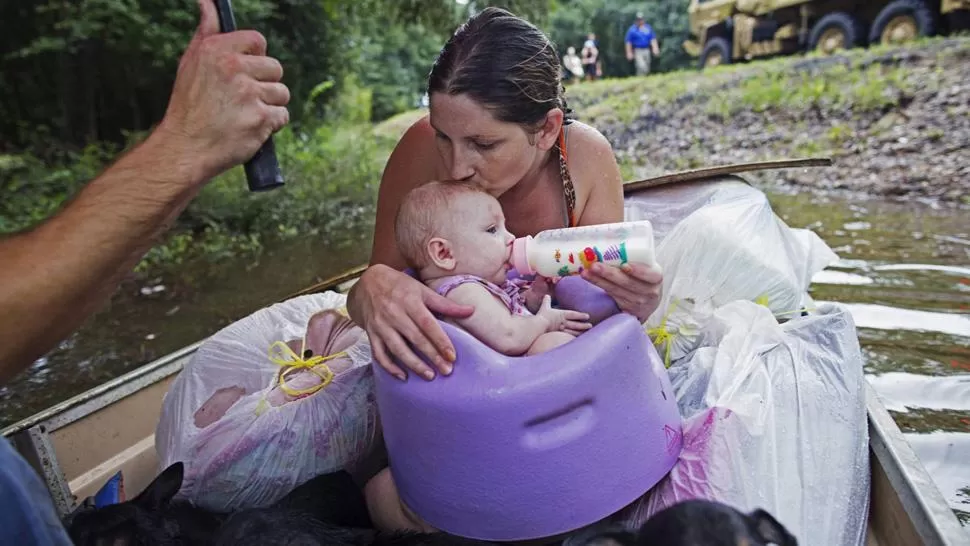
point(694, 523)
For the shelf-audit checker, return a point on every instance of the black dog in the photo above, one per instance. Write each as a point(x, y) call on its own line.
point(327, 510)
point(694, 523)
point(151, 518)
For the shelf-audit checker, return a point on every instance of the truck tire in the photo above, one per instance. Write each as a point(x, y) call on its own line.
point(717, 51)
point(901, 21)
point(836, 30)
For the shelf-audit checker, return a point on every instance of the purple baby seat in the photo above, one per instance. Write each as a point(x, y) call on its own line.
point(516, 448)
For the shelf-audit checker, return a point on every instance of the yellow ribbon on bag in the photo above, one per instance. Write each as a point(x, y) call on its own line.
point(290, 361)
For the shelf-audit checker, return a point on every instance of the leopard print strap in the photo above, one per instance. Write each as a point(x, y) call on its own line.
point(569, 191)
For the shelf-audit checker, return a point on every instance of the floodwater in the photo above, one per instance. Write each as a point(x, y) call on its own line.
point(904, 272)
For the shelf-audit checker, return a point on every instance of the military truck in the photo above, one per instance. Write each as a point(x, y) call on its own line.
point(732, 30)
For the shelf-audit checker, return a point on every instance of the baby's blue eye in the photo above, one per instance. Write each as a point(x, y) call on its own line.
point(492, 229)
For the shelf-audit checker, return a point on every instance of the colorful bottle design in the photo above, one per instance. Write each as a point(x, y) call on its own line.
point(569, 251)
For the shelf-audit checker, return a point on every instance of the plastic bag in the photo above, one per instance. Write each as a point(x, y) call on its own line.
point(246, 437)
point(665, 206)
point(775, 418)
point(733, 247)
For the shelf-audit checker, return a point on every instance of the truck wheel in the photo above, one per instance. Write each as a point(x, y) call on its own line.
point(717, 51)
point(837, 30)
point(902, 21)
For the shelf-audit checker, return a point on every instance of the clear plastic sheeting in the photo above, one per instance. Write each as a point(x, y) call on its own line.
point(728, 245)
point(665, 206)
point(775, 418)
point(269, 402)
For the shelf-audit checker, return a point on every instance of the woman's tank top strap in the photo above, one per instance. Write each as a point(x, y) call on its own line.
point(569, 191)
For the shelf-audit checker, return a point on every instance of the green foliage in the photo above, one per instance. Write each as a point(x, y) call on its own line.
point(332, 176)
point(32, 191)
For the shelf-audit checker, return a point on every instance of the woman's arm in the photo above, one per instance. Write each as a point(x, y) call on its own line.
point(394, 309)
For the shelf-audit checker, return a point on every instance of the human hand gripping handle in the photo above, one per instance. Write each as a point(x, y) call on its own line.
point(226, 102)
point(563, 320)
point(263, 169)
point(396, 311)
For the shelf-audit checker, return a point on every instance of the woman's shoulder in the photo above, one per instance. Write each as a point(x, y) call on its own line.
point(588, 152)
point(415, 157)
point(583, 135)
point(594, 172)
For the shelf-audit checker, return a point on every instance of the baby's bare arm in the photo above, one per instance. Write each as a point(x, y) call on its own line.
point(494, 324)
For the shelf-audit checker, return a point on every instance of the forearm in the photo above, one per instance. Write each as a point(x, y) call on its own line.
point(516, 334)
point(56, 275)
point(655, 46)
point(629, 49)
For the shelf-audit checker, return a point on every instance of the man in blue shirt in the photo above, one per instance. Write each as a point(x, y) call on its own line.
point(640, 43)
point(57, 274)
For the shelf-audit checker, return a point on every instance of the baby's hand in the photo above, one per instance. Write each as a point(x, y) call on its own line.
point(563, 320)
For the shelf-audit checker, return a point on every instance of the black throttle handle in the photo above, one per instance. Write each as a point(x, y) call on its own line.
point(262, 170)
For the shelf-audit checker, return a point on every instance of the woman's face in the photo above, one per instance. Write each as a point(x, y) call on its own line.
point(475, 146)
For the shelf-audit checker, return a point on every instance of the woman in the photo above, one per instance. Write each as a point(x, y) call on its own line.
point(497, 117)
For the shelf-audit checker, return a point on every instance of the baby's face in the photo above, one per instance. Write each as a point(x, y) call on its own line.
point(481, 245)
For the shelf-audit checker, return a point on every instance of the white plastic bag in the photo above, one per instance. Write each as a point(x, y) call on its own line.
point(247, 440)
point(733, 247)
point(775, 418)
point(665, 206)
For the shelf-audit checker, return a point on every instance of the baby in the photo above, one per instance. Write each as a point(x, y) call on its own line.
point(452, 234)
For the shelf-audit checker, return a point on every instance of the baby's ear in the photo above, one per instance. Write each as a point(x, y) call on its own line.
point(440, 252)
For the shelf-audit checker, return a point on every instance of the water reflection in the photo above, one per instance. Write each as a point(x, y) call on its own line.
point(147, 320)
point(904, 273)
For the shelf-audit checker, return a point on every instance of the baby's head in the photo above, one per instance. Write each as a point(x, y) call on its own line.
point(453, 228)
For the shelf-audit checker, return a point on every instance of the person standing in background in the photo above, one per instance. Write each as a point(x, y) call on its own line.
point(641, 42)
point(590, 55)
point(573, 65)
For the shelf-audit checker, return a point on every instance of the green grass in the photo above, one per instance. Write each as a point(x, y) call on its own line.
point(857, 84)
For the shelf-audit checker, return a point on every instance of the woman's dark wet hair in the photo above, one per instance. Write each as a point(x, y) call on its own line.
point(503, 62)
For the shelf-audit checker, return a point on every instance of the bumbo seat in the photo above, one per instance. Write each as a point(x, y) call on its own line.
point(516, 448)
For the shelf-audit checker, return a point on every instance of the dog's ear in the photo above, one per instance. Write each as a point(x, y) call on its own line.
point(162, 489)
point(769, 530)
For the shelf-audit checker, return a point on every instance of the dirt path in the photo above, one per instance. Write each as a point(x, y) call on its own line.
point(896, 122)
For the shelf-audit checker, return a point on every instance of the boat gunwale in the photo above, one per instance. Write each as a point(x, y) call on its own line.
point(921, 498)
point(92, 400)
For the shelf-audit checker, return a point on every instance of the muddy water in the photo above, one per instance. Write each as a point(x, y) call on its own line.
point(149, 319)
point(904, 273)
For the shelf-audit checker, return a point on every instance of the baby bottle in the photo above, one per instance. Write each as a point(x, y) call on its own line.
point(568, 251)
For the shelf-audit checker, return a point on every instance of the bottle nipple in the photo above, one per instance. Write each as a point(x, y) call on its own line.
point(520, 259)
